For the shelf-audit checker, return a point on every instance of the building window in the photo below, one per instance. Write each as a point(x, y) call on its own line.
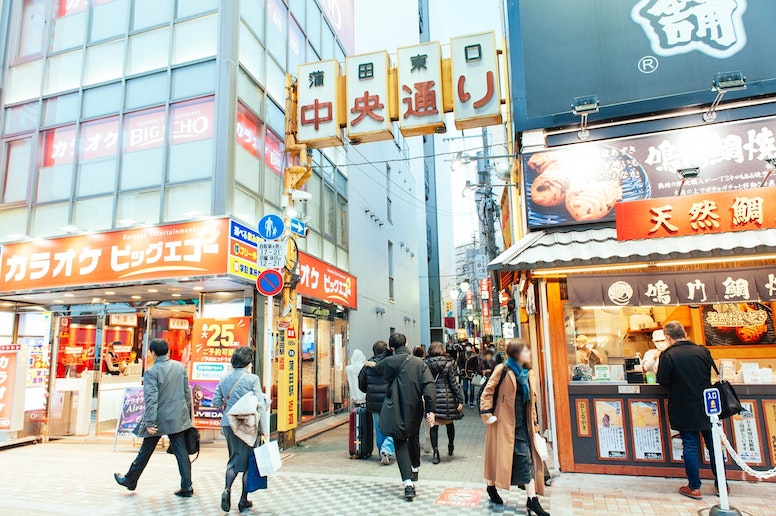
point(147, 91)
point(109, 19)
point(148, 51)
point(150, 13)
point(61, 110)
point(276, 30)
point(24, 82)
point(14, 224)
point(314, 25)
point(191, 130)
point(248, 149)
point(31, 28)
point(143, 148)
point(391, 295)
point(104, 100)
point(17, 170)
point(94, 214)
point(22, 118)
point(48, 220)
point(342, 222)
point(98, 150)
point(195, 39)
point(138, 208)
point(251, 54)
point(194, 80)
point(55, 176)
point(63, 72)
point(104, 62)
point(69, 27)
point(296, 47)
point(389, 202)
point(187, 201)
point(252, 11)
point(191, 7)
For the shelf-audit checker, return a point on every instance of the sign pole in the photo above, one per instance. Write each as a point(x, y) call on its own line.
point(713, 408)
point(269, 346)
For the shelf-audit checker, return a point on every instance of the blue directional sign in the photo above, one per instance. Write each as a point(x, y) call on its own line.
point(712, 402)
point(298, 227)
point(271, 227)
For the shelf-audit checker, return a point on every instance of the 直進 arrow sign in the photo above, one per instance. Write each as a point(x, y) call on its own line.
point(298, 227)
point(269, 283)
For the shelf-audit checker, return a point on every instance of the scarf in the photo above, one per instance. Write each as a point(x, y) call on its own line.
point(522, 377)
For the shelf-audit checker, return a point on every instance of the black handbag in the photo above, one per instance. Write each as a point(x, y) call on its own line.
point(191, 439)
point(728, 398)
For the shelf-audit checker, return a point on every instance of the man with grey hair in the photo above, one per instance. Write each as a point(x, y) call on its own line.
point(685, 369)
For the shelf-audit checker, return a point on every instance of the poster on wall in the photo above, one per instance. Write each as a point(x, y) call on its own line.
point(747, 435)
point(610, 429)
point(132, 410)
point(647, 438)
point(735, 324)
point(769, 409)
point(213, 342)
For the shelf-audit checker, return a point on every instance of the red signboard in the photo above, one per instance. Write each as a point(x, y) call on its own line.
point(274, 151)
point(714, 212)
point(58, 146)
point(187, 249)
point(8, 357)
point(319, 280)
point(144, 130)
point(192, 121)
point(248, 131)
point(99, 139)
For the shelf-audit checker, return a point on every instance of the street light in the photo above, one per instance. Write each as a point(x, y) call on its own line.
point(454, 294)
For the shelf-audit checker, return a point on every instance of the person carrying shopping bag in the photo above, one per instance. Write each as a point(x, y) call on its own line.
point(242, 432)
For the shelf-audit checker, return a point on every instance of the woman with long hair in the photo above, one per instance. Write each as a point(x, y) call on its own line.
point(449, 399)
point(508, 407)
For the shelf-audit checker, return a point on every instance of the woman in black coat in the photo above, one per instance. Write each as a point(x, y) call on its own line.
point(449, 401)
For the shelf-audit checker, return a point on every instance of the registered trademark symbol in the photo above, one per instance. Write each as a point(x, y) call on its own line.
point(648, 64)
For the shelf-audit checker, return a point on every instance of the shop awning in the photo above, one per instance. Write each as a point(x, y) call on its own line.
point(562, 249)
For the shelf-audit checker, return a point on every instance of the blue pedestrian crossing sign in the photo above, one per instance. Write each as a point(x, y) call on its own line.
point(298, 227)
point(271, 227)
point(712, 402)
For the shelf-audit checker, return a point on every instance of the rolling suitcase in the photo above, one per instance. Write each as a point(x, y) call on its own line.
point(360, 434)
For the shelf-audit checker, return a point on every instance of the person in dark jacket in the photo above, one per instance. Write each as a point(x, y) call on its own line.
point(410, 385)
point(467, 364)
point(685, 369)
point(167, 412)
point(449, 398)
point(375, 387)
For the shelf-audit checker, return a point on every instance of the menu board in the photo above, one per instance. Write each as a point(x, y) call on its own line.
point(735, 324)
point(132, 410)
point(647, 438)
point(747, 435)
point(610, 430)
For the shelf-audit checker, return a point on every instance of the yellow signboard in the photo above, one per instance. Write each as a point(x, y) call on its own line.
point(289, 365)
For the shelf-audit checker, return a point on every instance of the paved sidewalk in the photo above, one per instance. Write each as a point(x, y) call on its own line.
point(319, 478)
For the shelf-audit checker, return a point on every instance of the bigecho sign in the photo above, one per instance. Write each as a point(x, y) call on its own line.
point(319, 280)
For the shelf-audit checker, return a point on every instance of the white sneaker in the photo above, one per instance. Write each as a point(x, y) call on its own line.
point(385, 458)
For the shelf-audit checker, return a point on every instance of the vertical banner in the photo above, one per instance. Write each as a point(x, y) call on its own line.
point(647, 438)
point(288, 379)
point(13, 380)
point(610, 429)
point(213, 342)
point(583, 419)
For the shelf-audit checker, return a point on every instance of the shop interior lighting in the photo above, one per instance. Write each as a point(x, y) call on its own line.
point(196, 288)
point(584, 107)
point(110, 293)
point(723, 82)
point(137, 297)
point(153, 290)
point(69, 295)
point(175, 295)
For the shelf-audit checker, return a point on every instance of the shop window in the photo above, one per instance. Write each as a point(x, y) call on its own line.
point(63, 72)
point(32, 26)
point(147, 91)
point(98, 147)
point(252, 11)
point(104, 62)
point(249, 93)
point(109, 19)
point(251, 54)
point(329, 213)
point(14, 224)
point(314, 17)
point(48, 220)
point(191, 140)
point(187, 201)
point(17, 170)
point(93, 214)
point(194, 80)
point(150, 13)
point(24, 82)
point(195, 39)
point(148, 51)
point(61, 110)
point(191, 7)
point(296, 47)
point(327, 42)
point(138, 208)
point(298, 10)
point(21, 118)
point(143, 148)
point(276, 30)
point(102, 101)
point(246, 206)
point(342, 222)
point(69, 26)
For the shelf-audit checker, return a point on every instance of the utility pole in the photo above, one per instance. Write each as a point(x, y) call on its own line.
point(487, 213)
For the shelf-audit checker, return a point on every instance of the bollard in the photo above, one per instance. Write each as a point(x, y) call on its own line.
point(713, 410)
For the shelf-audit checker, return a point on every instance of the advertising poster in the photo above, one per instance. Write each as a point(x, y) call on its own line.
point(131, 412)
point(647, 439)
point(213, 342)
point(769, 406)
point(610, 429)
point(747, 435)
point(8, 357)
point(288, 378)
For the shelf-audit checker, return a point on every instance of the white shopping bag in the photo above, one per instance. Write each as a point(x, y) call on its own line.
point(268, 458)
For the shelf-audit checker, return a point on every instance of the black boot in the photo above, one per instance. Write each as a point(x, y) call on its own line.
point(436, 458)
point(494, 497)
point(450, 449)
point(532, 506)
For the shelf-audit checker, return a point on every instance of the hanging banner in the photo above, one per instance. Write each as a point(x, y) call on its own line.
point(213, 342)
point(288, 377)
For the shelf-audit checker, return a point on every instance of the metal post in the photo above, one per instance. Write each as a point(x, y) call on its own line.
point(269, 346)
point(723, 509)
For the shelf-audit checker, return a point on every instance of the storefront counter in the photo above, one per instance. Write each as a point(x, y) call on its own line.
point(624, 429)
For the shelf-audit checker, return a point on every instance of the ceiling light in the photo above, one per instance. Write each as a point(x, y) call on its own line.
point(69, 295)
point(175, 289)
point(223, 294)
point(176, 295)
point(97, 300)
point(196, 288)
point(153, 290)
point(137, 297)
point(59, 301)
point(110, 293)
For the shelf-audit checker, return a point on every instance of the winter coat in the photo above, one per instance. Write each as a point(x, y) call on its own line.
point(685, 369)
point(357, 359)
point(414, 387)
point(448, 391)
point(167, 397)
point(374, 385)
point(243, 382)
point(500, 436)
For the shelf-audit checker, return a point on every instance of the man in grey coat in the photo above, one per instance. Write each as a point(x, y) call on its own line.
point(167, 412)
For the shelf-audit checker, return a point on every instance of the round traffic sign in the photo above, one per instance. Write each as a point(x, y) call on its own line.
point(271, 227)
point(269, 282)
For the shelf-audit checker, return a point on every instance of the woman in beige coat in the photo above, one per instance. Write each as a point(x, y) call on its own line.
point(510, 456)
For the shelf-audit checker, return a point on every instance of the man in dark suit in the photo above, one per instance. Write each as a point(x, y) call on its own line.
point(685, 369)
point(167, 412)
